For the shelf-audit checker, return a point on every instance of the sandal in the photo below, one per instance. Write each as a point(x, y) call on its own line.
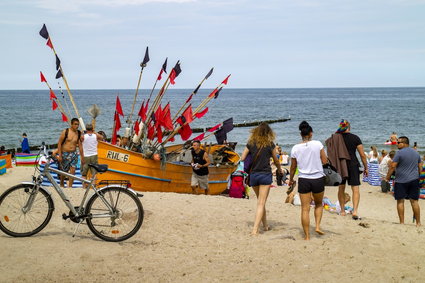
point(291, 188)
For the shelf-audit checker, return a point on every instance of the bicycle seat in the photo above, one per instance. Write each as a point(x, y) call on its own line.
point(101, 168)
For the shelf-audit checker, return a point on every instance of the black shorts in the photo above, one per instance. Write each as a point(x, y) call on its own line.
point(314, 186)
point(407, 190)
point(353, 178)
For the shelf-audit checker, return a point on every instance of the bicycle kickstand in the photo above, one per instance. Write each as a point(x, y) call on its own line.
point(76, 227)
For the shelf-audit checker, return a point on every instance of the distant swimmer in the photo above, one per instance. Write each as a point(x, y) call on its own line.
point(393, 138)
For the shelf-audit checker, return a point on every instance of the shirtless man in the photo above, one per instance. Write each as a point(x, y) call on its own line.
point(67, 150)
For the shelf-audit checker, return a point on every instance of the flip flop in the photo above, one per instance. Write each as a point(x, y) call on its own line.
point(291, 188)
point(355, 217)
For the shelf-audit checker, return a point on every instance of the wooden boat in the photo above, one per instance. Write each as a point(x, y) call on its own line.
point(147, 175)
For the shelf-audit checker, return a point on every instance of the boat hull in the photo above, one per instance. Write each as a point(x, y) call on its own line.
point(147, 175)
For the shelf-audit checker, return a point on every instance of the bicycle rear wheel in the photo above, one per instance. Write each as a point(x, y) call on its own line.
point(17, 222)
point(123, 223)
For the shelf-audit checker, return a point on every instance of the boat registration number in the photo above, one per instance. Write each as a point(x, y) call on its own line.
point(117, 156)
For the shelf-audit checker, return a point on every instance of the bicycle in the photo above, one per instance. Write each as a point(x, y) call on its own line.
point(113, 213)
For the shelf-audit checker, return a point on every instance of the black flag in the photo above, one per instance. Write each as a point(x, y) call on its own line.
point(146, 59)
point(228, 125)
point(217, 92)
point(58, 62)
point(59, 74)
point(43, 32)
point(197, 88)
point(209, 73)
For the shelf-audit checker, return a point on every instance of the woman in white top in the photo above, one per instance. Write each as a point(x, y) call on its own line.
point(309, 156)
point(373, 155)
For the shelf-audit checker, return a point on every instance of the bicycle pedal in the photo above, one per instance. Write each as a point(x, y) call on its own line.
point(64, 216)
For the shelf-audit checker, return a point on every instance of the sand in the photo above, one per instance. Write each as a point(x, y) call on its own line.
point(197, 238)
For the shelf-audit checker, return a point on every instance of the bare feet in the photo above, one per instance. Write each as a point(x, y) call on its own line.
point(307, 238)
point(320, 232)
point(267, 228)
point(418, 224)
point(342, 214)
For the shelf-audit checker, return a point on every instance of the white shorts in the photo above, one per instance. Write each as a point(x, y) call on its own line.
point(201, 181)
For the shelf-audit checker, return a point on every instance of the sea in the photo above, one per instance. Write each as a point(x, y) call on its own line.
point(374, 113)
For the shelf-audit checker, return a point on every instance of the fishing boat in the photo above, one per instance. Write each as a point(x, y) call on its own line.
point(175, 176)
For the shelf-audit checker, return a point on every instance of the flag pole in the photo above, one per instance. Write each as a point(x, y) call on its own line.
point(195, 91)
point(143, 65)
point(45, 34)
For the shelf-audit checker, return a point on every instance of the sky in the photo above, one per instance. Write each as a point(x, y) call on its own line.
point(262, 43)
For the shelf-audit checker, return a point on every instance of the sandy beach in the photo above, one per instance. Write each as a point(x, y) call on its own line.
point(197, 238)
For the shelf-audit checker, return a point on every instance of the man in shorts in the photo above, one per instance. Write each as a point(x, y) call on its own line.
point(89, 141)
point(353, 144)
point(407, 164)
point(200, 162)
point(68, 142)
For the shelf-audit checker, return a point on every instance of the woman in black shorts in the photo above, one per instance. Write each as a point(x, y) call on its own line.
point(261, 146)
point(309, 156)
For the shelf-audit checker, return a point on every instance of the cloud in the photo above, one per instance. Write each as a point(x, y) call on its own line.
point(66, 6)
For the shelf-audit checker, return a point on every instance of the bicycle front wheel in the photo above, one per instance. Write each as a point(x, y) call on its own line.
point(120, 224)
point(18, 217)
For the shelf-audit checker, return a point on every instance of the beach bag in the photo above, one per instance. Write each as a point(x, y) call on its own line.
point(237, 186)
point(332, 178)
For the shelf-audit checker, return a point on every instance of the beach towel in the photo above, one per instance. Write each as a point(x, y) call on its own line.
point(76, 184)
point(422, 183)
point(373, 178)
point(8, 158)
point(26, 159)
point(2, 166)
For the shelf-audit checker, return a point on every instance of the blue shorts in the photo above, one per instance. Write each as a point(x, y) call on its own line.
point(69, 159)
point(407, 190)
point(257, 179)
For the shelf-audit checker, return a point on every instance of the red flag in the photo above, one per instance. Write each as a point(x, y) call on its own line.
point(199, 115)
point(52, 95)
point(172, 139)
point(166, 118)
point(114, 138)
point(188, 114)
point(151, 132)
point(43, 79)
point(215, 128)
point(213, 92)
point(159, 133)
point(136, 127)
point(185, 132)
point(64, 119)
point(225, 80)
point(141, 110)
point(158, 115)
point(54, 105)
point(49, 43)
point(175, 72)
point(118, 108)
point(117, 122)
point(200, 137)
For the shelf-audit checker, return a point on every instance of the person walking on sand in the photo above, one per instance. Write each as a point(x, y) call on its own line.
point(200, 162)
point(309, 156)
point(25, 144)
point(261, 146)
point(407, 164)
point(68, 142)
point(353, 144)
point(89, 142)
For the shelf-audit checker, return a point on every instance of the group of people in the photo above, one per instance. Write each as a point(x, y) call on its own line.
point(309, 156)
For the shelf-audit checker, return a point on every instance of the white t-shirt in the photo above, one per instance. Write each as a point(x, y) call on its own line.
point(90, 145)
point(383, 166)
point(308, 159)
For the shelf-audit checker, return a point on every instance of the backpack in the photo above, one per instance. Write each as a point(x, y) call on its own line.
point(237, 185)
point(66, 135)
